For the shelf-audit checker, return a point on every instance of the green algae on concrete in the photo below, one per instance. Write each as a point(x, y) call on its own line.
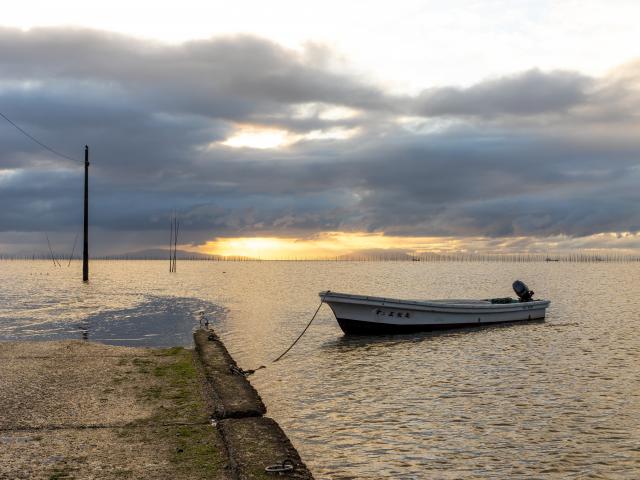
point(256, 442)
point(180, 396)
point(253, 441)
point(82, 410)
point(234, 396)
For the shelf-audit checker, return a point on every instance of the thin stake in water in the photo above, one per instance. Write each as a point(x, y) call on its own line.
point(173, 242)
point(73, 250)
point(53, 257)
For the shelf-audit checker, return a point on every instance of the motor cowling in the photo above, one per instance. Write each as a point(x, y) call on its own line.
point(522, 291)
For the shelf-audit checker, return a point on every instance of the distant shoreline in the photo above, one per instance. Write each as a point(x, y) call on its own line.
point(505, 258)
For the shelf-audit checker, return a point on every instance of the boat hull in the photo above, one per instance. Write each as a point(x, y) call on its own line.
point(374, 315)
point(358, 327)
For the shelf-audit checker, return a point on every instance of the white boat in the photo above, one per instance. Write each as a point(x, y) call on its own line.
point(359, 314)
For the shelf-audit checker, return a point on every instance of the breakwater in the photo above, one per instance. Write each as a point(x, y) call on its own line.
point(77, 409)
point(253, 440)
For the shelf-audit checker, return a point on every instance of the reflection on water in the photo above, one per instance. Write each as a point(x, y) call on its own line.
point(554, 399)
point(349, 342)
point(43, 303)
point(156, 321)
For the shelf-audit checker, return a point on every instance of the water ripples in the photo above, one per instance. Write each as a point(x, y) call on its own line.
point(553, 399)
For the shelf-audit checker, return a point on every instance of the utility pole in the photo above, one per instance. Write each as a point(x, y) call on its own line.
point(171, 247)
point(175, 243)
point(85, 250)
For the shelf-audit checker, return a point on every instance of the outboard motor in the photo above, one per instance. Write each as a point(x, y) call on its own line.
point(523, 292)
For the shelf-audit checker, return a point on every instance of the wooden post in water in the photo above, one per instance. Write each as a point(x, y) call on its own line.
point(85, 250)
point(171, 247)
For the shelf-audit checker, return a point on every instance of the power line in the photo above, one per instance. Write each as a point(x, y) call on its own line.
point(34, 139)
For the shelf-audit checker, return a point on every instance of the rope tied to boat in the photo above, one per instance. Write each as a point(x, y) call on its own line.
point(242, 372)
point(305, 328)
point(235, 369)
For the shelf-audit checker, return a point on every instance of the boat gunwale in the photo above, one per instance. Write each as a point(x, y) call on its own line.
point(434, 304)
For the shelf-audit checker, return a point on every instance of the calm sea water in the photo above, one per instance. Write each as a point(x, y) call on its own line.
point(554, 399)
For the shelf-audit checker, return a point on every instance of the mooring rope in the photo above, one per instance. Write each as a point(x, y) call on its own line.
point(305, 328)
point(245, 373)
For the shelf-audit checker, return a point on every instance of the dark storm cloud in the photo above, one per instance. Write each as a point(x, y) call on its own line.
point(528, 93)
point(491, 185)
point(230, 77)
point(537, 153)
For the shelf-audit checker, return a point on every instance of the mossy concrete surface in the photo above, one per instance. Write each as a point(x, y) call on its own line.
point(80, 410)
point(253, 441)
point(235, 397)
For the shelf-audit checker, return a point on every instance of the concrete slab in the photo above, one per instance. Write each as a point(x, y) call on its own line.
point(81, 410)
point(235, 396)
point(257, 442)
point(77, 348)
point(76, 389)
point(146, 452)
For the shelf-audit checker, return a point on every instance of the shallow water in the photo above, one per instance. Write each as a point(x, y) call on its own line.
point(554, 399)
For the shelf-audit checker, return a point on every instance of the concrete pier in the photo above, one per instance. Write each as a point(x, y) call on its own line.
point(81, 410)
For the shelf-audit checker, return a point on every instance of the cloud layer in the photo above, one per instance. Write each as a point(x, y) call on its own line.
point(533, 153)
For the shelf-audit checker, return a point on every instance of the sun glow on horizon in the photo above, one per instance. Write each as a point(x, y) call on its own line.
point(325, 245)
point(330, 245)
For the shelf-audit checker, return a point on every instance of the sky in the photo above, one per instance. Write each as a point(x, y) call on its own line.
point(317, 129)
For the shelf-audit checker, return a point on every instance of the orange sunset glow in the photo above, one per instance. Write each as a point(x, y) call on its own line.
point(329, 245)
point(325, 245)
